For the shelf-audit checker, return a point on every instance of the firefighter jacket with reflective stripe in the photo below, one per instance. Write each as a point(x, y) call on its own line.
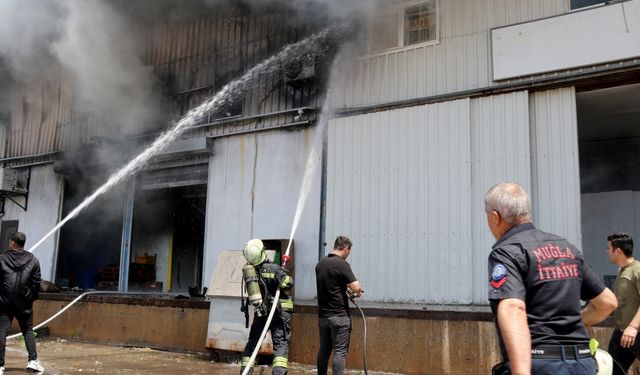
point(275, 277)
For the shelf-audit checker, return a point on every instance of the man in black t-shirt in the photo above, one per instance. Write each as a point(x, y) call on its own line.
point(536, 282)
point(333, 278)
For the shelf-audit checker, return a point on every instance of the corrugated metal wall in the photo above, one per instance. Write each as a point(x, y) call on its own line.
point(461, 61)
point(254, 184)
point(196, 59)
point(44, 207)
point(40, 115)
point(192, 59)
point(408, 185)
point(555, 169)
point(399, 184)
point(500, 152)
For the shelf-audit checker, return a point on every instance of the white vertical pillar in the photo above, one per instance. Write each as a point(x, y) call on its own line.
point(555, 169)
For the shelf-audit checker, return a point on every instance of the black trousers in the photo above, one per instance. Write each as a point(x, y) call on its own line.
point(335, 333)
point(622, 357)
point(280, 335)
point(26, 327)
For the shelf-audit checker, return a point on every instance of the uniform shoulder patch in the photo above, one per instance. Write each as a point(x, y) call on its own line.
point(498, 275)
point(498, 272)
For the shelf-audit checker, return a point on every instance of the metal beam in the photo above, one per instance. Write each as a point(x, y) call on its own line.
point(125, 249)
point(541, 82)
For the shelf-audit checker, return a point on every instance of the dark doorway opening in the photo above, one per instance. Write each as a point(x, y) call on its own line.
point(609, 150)
point(168, 239)
point(9, 227)
point(89, 247)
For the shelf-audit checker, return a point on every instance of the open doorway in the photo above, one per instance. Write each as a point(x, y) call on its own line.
point(90, 243)
point(168, 239)
point(609, 146)
point(166, 224)
point(9, 228)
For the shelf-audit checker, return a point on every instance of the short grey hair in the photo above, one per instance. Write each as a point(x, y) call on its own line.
point(510, 200)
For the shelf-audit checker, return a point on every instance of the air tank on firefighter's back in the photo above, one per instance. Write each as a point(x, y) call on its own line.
point(252, 286)
point(226, 331)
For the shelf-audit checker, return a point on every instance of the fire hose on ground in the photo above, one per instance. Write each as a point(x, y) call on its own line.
point(74, 302)
point(285, 259)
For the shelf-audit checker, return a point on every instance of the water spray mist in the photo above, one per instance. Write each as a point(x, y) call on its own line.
point(316, 43)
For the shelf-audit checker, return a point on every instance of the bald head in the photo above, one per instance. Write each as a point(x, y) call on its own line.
point(510, 200)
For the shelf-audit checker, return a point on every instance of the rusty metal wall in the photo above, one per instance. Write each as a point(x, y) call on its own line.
point(196, 59)
point(40, 115)
point(399, 343)
point(46, 118)
point(153, 323)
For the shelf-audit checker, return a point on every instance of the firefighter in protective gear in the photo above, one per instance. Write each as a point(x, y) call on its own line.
point(270, 277)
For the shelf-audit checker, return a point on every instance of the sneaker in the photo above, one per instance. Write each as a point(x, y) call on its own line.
point(2, 370)
point(34, 366)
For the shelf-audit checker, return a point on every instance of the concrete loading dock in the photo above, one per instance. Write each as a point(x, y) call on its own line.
point(450, 342)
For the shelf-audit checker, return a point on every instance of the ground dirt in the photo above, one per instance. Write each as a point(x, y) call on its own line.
point(60, 356)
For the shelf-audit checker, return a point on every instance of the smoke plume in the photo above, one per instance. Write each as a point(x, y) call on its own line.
point(99, 44)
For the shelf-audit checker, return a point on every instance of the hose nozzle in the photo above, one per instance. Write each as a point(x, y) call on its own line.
point(285, 260)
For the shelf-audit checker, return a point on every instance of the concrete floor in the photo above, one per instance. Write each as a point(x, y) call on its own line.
point(60, 356)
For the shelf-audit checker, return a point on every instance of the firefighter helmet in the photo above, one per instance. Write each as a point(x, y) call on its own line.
point(254, 252)
point(605, 362)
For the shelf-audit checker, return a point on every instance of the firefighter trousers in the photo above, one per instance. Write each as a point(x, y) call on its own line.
point(280, 335)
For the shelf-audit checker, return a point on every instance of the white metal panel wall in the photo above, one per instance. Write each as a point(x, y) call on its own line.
point(398, 184)
point(461, 61)
point(568, 41)
point(499, 152)
point(272, 165)
point(555, 168)
point(43, 213)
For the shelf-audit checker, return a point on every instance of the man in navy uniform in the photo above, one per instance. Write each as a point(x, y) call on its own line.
point(536, 282)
